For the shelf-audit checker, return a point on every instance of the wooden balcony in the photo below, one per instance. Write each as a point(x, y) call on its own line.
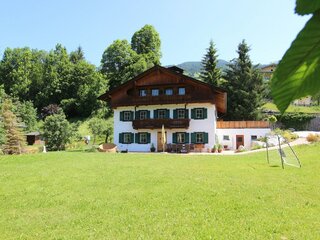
point(243, 124)
point(162, 99)
point(157, 123)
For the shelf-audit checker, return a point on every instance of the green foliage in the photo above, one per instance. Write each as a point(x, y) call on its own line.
point(297, 74)
point(27, 114)
point(304, 7)
point(210, 73)
point(120, 63)
point(146, 42)
point(13, 137)
point(286, 134)
point(298, 121)
point(57, 131)
point(100, 127)
point(244, 86)
point(76, 195)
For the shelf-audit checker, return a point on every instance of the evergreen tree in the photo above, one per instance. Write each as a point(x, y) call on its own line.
point(244, 86)
point(210, 73)
point(14, 139)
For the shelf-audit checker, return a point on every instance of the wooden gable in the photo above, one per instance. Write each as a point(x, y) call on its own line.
point(162, 78)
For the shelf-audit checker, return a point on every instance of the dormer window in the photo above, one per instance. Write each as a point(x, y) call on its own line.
point(155, 92)
point(182, 91)
point(169, 91)
point(142, 92)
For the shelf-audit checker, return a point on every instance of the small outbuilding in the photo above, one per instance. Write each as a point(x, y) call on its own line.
point(33, 138)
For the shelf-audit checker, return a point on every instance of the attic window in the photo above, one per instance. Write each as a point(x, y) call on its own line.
point(169, 91)
point(182, 91)
point(155, 92)
point(142, 92)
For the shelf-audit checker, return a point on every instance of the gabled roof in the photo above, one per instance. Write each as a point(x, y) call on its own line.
point(172, 70)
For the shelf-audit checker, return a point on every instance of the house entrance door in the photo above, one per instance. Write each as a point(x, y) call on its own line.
point(159, 143)
point(239, 140)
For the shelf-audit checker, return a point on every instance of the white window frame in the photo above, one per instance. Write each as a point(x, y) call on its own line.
point(181, 113)
point(143, 114)
point(226, 137)
point(181, 137)
point(126, 138)
point(199, 137)
point(143, 138)
point(199, 113)
point(126, 116)
point(163, 112)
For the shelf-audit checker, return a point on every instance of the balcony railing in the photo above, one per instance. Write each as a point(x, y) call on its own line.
point(157, 123)
point(163, 99)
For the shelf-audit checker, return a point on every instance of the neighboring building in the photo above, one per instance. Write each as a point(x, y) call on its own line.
point(267, 71)
point(188, 109)
point(33, 138)
point(235, 133)
point(306, 101)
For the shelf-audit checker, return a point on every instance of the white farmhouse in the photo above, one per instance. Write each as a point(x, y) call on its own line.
point(187, 108)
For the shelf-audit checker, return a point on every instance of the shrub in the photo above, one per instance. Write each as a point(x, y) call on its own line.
point(313, 138)
point(295, 120)
point(57, 132)
point(286, 134)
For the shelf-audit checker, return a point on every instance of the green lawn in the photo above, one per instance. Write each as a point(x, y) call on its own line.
point(77, 195)
point(293, 108)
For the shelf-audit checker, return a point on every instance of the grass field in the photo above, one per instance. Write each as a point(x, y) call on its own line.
point(77, 195)
point(293, 108)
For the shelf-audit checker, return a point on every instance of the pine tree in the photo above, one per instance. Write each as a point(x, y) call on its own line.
point(14, 139)
point(244, 85)
point(210, 73)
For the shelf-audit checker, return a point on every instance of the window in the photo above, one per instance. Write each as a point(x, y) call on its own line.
point(181, 114)
point(181, 137)
point(127, 138)
point(199, 113)
point(226, 137)
point(142, 92)
point(143, 138)
point(169, 91)
point(155, 92)
point(161, 113)
point(126, 116)
point(182, 91)
point(143, 115)
point(199, 138)
point(254, 137)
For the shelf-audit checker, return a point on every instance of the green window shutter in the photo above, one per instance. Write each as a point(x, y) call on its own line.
point(136, 138)
point(187, 137)
point(167, 113)
point(131, 115)
point(174, 137)
point(193, 137)
point(155, 114)
point(121, 116)
point(186, 113)
point(131, 137)
point(148, 114)
point(148, 137)
point(175, 113)
point(137, 115)
point(206, 138)
point(120, 137)
point(193, 113)
point(205, 113)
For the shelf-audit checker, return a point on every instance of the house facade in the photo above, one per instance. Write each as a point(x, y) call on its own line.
point(186, 107)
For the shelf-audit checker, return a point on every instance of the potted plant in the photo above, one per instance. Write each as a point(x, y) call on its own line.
point(152, 148)
point(220, 148)
point(214, 148)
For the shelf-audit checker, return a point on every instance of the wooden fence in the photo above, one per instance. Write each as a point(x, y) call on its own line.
point(243, 124)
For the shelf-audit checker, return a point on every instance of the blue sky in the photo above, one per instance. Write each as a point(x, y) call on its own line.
point(185, 27)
